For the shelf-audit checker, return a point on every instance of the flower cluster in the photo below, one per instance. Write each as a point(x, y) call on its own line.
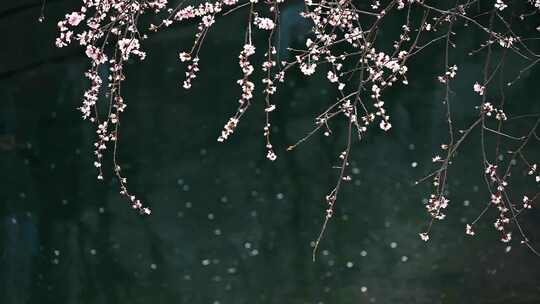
point(109, 32)
point(489, 110)
point(247, 91)
point(264, 23)
point(435, 206)
point(451, 73)
point(346, 45)
point(500, 5)
point(192, 69)
point(479, 88)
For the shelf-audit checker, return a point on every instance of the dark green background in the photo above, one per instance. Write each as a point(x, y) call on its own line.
point(66, 238)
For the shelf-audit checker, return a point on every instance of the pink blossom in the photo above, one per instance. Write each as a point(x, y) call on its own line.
point(75, 18)
point(479, 88)
point(95, 54)
point(264, 23)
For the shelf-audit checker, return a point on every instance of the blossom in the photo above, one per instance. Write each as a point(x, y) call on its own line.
point(249, 49)
point(208, 20)
point(184, 56)
point(469, 230)
point(271, 155)
point(264, 23)
point(270, 108)
point(500, 5)
point(191, 73)
point(506, 42)
point(308, 69)
point(385, 125)
point(376, 91)
point(526, 202)
point(95, 54)
point(488, 108)
point(533, 167)
point(75, 18)
point(452, 71)
point(332, 77)
point(507, 237)
point(129, 46)
point(228, 129)
point(479, 88)
point(496, 198)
